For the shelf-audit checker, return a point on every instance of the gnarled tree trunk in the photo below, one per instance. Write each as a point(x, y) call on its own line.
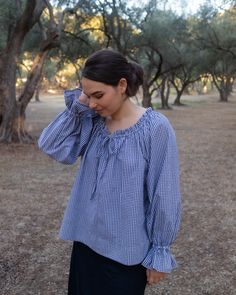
point(33, 79)
point(147, 99)
point(19, 128)
point(178, 96)
point(224, 86)
point(38, 88)
point(7, 93)
point(11, 116)
point(12, 110)
point(165, 93)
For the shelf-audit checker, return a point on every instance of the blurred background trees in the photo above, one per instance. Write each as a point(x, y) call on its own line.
point(43, 45)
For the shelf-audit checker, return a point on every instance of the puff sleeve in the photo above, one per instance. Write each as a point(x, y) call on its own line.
point(67, 136)
point(164, 207)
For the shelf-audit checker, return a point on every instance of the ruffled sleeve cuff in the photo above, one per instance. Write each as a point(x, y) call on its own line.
point(160, 259)
point(73, 104)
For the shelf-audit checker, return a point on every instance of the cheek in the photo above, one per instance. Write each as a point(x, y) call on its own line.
point(110, 101)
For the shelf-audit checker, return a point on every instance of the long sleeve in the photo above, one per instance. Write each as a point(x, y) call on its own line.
point(163, 212)
point(67, 135)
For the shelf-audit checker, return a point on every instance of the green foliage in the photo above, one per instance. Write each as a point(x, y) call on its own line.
point(9, 13)
point(216, 39)
point(170, 46)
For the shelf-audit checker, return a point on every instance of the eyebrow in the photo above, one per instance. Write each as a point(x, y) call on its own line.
point(94, 93)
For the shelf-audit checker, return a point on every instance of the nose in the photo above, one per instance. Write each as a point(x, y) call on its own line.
point(92, 104)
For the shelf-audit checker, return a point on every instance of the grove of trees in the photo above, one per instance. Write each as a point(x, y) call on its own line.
point(46, 42)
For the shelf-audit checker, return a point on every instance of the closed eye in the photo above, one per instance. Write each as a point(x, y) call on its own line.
point(97, 96)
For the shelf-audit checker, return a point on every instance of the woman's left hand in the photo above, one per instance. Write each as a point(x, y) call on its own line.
point(154, 276)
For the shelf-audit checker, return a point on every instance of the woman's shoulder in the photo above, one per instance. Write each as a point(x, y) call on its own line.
point(157, 126)
point(156, 119)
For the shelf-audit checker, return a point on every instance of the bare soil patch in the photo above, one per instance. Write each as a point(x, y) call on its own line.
point(34, 191)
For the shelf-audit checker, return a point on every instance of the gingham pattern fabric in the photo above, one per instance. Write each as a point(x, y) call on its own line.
point(125, 201)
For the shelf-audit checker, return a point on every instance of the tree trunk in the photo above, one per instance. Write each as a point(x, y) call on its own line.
point(37, 91)
point(223, 95)
point(177, 101)
point(33, 79)
point(16, 129)
point(162, 93)
point(8, 104)
point(147, 99)
point(222, 88)
point(11, 115)
point(179, 92)
point(38, 88)
point(168, 95)
point(165, 93)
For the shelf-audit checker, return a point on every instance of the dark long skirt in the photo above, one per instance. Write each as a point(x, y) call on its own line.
point(93, 274)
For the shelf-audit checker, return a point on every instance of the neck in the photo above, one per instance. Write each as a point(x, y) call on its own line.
point(126, 109)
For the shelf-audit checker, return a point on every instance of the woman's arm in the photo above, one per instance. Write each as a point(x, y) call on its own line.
point(67, 136)
point(163, 214)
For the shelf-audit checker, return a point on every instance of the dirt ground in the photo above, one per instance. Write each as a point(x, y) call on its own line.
point(34, 191)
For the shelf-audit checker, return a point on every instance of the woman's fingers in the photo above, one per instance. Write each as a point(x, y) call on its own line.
point(84, 99)
point(154, 276)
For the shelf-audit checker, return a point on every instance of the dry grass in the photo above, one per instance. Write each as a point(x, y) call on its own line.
point(34, 191)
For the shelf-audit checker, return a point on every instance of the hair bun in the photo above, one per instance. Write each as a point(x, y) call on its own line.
point(136, 72)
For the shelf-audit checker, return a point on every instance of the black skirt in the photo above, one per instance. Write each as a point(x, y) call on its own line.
point(93, 274)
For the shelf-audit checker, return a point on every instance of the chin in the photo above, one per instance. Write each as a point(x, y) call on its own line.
point(102, 113)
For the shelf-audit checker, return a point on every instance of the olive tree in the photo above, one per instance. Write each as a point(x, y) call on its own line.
point(19, 19)
point(215, 38)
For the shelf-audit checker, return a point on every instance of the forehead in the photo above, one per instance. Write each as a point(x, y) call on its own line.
point(90, 86)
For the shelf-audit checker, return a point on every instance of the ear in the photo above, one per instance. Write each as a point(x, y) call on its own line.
point(122, 85)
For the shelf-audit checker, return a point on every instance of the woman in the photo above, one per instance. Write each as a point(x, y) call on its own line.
point(124, 210)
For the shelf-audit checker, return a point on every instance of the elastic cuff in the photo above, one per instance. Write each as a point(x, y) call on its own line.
point(73, 104)
point(160, 259)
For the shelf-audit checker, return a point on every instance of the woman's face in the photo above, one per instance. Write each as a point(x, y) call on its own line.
point(105, 99)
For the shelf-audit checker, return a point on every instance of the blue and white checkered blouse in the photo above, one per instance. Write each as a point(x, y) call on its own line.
point(125, 202)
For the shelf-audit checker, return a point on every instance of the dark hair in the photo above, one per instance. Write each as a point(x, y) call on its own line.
point(109, 66)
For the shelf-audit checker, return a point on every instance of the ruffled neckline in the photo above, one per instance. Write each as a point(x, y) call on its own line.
point(127, 131)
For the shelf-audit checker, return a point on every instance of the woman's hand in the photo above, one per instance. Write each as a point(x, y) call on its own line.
point(84, 99)
point(154, 276)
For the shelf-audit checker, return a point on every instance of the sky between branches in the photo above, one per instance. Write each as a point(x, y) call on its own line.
point(183, 6)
